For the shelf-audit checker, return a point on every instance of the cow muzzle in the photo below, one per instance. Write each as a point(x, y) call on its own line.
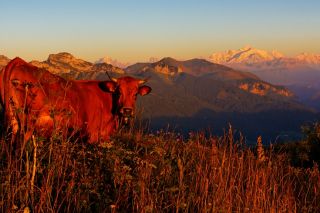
point(126, 114)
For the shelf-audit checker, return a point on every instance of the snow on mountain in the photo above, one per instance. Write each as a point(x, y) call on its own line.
point(309, 58)
point(257, 58)
point(114, 62)
point(246, 55)
point(273, 66)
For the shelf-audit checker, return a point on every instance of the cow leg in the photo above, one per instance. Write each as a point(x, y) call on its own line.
point(13, 125)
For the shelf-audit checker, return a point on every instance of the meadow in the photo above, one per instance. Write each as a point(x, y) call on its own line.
point(160, 172)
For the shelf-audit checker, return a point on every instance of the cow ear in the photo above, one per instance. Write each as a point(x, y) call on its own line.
point(144, 90)
point(108, 86)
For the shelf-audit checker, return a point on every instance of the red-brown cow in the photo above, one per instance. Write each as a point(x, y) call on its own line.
point(37, 100)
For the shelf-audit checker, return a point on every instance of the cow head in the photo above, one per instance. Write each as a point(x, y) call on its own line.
point(125, 91)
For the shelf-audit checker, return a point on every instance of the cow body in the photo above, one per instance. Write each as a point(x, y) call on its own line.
point(37, 100)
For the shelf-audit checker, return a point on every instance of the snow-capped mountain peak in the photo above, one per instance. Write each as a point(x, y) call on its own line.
point(114, 62)
point(247, 55)
point(309, 58)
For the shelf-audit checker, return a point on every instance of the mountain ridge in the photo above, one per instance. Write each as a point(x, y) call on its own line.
point(64, 62)
point(251, 55)
point(67, 65)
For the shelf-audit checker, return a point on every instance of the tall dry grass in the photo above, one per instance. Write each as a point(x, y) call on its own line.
point(162, 172)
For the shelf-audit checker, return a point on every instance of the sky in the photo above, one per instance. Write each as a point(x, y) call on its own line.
point(135, 30)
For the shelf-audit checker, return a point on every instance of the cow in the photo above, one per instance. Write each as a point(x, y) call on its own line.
point(36, 100)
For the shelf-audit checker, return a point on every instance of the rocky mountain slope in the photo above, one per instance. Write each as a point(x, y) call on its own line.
point(65, 62)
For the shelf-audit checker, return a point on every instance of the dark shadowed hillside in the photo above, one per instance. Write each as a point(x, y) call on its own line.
point(309, 95)
point(194, 103)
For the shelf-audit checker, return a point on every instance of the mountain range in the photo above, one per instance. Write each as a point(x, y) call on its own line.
point(196, 94)
point(252, 57)
point(301, 73)
point(274, 67)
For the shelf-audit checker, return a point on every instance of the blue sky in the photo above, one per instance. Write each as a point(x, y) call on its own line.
point(136, 30)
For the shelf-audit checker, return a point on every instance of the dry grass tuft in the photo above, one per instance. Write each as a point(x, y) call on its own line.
point(138, 172)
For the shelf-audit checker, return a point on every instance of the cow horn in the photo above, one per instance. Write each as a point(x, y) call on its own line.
point(144, 80)
point(114, 79)
point(108, 75)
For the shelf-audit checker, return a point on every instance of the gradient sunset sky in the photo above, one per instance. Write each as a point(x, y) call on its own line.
point(133, 31)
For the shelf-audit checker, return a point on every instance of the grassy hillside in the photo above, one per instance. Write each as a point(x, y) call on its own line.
point(161, 172)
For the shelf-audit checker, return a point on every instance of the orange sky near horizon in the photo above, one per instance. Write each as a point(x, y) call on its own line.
point(131, 32)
